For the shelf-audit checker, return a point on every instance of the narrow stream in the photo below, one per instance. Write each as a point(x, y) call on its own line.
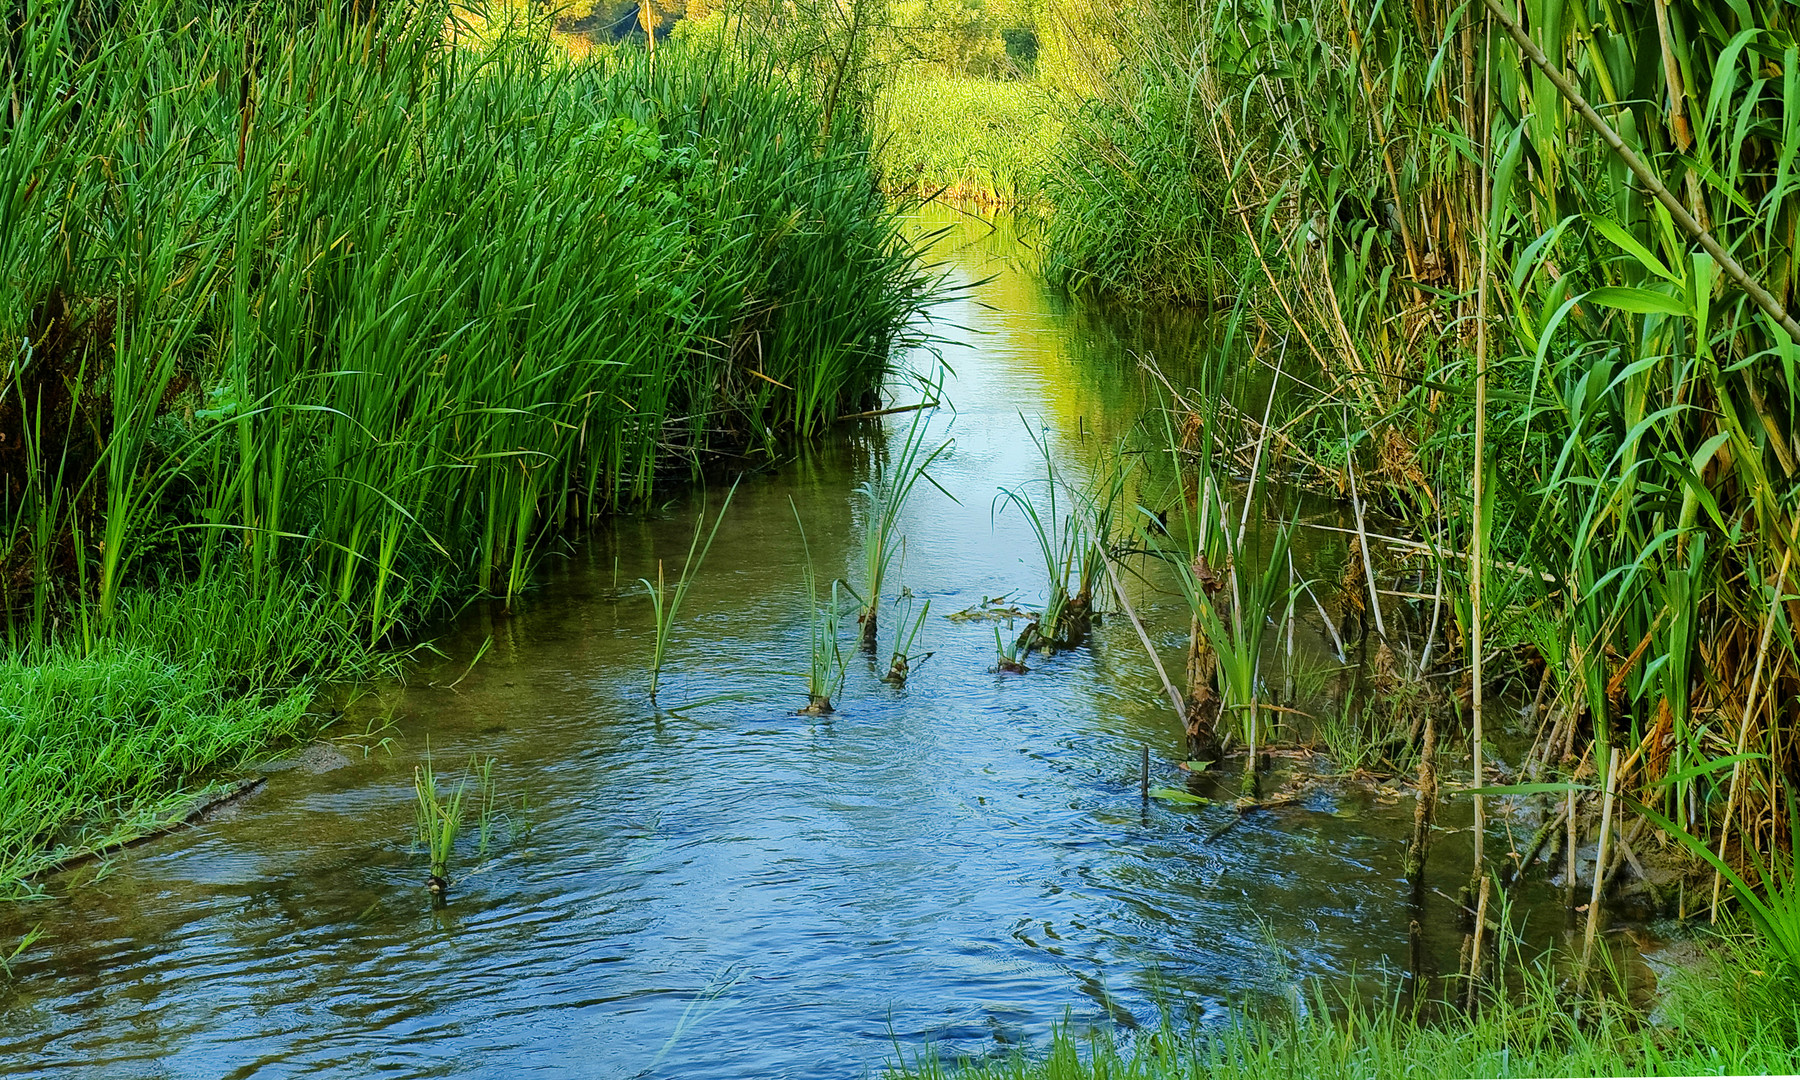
point(731, 889)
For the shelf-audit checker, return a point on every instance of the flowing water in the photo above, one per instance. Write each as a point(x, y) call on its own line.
point(725, 888)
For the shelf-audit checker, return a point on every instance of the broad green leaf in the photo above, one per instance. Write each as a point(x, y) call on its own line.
point(1639, 301)
point(1174, 795)
point(1613, 231)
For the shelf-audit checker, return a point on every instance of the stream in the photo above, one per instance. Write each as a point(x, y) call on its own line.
point(723, 888)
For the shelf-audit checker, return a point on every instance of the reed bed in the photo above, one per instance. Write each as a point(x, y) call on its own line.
point(358, 311)
point(1540, 270)
point(982, 141)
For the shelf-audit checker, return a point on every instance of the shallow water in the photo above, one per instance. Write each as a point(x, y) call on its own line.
point(729, 889)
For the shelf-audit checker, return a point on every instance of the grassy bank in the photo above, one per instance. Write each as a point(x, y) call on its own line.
point(315, 324)
point(982, 141)
point(1702, 1027)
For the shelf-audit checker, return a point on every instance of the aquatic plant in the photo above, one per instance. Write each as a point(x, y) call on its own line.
point(1010, 651)
point(26, 941)
point(1235, 581)
point(438, 819)
point(1071, 526)
point(825, 660)
point(665, 602)
point(882, 497)
point(904, 659)
point(487, 805)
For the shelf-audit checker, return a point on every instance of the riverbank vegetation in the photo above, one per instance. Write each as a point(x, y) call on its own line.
point(1703, 1026)
point(317, 321)
point(1553, 376)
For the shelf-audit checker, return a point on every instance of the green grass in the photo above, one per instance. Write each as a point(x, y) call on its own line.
point(101, 745)
point(322, 325)
point(974, 140)
point(825, 658)
point(882, 496)
point(1710, 1026)
point(665, 603)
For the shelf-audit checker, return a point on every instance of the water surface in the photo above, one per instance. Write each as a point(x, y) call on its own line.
point(728, 889)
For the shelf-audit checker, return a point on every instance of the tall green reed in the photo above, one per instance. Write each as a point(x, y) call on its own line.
point(883, 496)
point(825, 659)
point(1638, 397)
point(665, 603)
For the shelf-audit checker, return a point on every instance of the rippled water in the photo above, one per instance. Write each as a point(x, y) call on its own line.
point(730, 889)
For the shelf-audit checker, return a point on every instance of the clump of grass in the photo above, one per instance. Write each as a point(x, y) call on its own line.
point(882, 497)
point(825, 660)
point(1063, 543)
point(439, 817)
point(904, 659)
point(193, 677)
point(1073, 526)
point(1010, 651)
point(665, 602)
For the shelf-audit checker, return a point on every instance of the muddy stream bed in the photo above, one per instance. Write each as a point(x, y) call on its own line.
point(729, 889)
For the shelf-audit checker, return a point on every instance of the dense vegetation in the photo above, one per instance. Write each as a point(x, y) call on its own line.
point(1399, 191)
point(314, 322)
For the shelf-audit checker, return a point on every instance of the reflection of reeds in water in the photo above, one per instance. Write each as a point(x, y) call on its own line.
point(665, 602)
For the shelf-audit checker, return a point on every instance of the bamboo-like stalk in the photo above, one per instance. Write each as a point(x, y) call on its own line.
point(1763, 298)
point(1478, 534)
point(1603, 850)
point(1750, 700)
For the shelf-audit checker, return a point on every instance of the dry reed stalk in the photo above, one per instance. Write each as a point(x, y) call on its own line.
point(1737, 767)
point(1479, 538)
point(1602, 851)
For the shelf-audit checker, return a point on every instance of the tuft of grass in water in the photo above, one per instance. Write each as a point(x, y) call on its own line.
point(438, 819)
point(904, 659)
point(1010, 651)
point(1747, 1025)
point(1073, 526)
point(665, 603)
point(825, 660)
point(883, 496)
point(1062, 542)
point(1235, 582)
